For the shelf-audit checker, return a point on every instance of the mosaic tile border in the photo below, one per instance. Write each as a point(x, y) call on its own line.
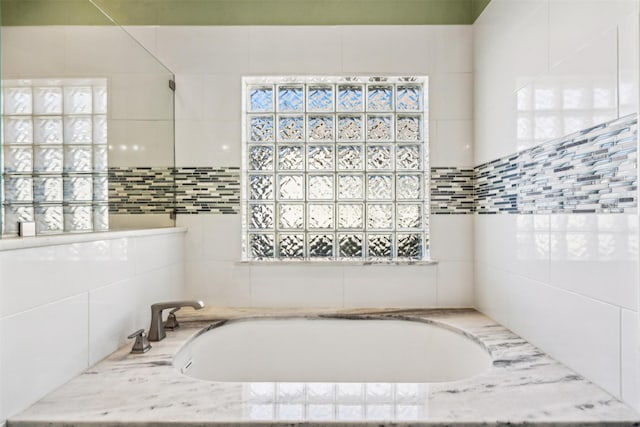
point(452, 190)
point(207, 190)
point(590, 171)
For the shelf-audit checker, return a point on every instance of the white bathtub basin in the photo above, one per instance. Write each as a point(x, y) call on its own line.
point(331, 350)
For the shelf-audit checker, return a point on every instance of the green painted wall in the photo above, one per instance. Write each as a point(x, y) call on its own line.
point(242, 12)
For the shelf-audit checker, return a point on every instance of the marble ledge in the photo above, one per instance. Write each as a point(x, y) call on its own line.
point(13, 243)
point(523, 387)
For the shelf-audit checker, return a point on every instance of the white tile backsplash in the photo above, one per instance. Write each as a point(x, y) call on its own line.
point(47, 347)
point(93, 294)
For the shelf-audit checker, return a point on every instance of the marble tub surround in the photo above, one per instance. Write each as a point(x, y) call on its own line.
point(524, 386)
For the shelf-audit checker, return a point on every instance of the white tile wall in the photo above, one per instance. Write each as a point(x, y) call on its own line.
point(208, 124)
point(65, 307)
point(567, 283)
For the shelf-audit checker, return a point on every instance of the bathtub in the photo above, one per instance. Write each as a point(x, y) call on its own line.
point(331, 350)
point(225, 367)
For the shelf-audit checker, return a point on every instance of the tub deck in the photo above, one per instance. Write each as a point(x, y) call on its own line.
point(524, 386)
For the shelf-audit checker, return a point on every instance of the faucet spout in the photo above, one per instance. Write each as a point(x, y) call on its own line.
point(156, 330)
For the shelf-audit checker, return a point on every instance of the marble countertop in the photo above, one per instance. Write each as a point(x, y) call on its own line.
point(524, 386)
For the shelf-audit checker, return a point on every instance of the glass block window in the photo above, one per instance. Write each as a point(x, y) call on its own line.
point(54, 155)
point(335, 168)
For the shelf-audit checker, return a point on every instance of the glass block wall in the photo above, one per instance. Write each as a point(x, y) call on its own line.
point(335, 168)
point(54, 155)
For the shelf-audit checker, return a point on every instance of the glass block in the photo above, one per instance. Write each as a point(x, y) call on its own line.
point(350, 157)
point(291, 216)
point(290, 128)
point(78, 189)
point(261, 98)
point(78, 100)
point(291, 99)
point(349, 412)
point(320, 245)
point(320, 128)
point(262, 391)
point(291, 245)
point(78, 218)
point(350, 98)
point(78, 159)
point(379, 245)
point(18, 130)
point(261, 411)
point(409, 216)
point(18, 189)
point(320, 412)
point(261, 245)
point(78, 130)
point(350, 128)
point(100, 129)
point(380, 187)
point(15, 214)
point(49, 219)
point(48, 189)
point(320, 392)
point(100, 158)
point(261, 216)
point(290, 157)
point(379, 216)
point(379, 98)
point(379, 412)
point(100, 188)
point(379, 392)
point(320, 157)
point(48, 159)
point(17, 100)
point(47, 100)
point(408, 157)
point(100, 100)
point(260, 187)
point(320, 187)
point(47, 130)
point(18, 158)
point(349, 391)
point(350, 245)
point(350, 187)
point(409, 128)
point(350, 216)
point(261, 129)
point(379, 157)
point(261, 158)
point(319, 98)
point(408, 187)
point(290, 187)
point(290, 411)
point(409, 245)
point(100, 217)
point(320, 216)
point(379, 128)
point(408, 98)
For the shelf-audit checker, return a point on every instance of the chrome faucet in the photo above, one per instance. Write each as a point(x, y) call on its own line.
point(156, 330)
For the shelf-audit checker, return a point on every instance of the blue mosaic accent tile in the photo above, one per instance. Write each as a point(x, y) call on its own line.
point(590, 171)
point(452, 190)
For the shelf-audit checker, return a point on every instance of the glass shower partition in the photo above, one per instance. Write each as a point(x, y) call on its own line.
point(87, 123)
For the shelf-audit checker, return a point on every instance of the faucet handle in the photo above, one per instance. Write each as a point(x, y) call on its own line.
point(141, 345)
point(172, 321)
